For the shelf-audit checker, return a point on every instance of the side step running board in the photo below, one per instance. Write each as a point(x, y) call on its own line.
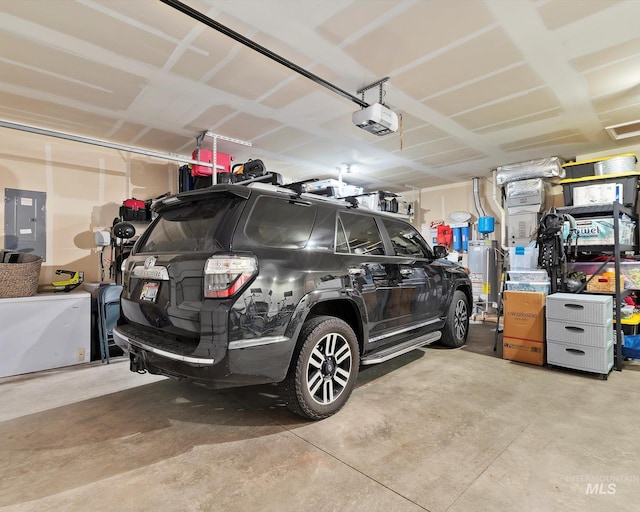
point(403, 348)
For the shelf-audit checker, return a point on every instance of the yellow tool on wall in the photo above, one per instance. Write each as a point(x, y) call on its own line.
point(67, 285)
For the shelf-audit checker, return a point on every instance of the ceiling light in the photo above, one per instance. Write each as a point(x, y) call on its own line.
point(624, 130)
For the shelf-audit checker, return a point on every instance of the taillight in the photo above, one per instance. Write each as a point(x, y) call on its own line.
point(224, 275)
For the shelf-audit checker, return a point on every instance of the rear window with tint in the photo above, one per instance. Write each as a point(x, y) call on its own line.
point(275, 222)
point(189, 228)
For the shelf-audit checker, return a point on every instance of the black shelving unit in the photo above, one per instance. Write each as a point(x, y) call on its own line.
point(616, 210)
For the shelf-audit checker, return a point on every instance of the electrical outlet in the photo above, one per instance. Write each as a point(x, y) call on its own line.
point(81, 354)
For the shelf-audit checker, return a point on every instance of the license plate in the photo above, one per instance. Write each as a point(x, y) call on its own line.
point(149, 292)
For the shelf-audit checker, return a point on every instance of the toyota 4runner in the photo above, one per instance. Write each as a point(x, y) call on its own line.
point(235, 285)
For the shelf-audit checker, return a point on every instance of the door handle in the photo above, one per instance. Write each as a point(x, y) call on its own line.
point(356, 271)
point(406, 272)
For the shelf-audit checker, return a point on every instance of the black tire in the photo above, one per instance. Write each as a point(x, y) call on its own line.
point(455, 331)
point(323, 369)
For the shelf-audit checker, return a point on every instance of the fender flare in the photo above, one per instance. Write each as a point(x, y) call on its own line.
point(315, 297)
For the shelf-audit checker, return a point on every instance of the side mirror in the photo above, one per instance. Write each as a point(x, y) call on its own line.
point(440, 251)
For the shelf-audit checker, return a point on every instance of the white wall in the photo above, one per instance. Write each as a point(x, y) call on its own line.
point(85, 185)
point(437, 203)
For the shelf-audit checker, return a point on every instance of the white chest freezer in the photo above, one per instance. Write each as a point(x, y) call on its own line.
point(48, 330)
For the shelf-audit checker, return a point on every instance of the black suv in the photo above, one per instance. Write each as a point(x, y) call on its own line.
point(235, 285)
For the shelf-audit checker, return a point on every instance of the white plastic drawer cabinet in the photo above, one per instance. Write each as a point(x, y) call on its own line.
point(580, 308)
point(580, 332)
point(588, 359)
point(575, 333)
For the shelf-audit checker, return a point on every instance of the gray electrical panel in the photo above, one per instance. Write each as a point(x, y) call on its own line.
point(24, 221)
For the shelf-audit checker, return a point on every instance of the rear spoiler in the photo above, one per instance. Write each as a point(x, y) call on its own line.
point(199, 195)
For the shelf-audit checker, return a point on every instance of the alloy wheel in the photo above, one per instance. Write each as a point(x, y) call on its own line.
point(461, 318)
point(328, 368)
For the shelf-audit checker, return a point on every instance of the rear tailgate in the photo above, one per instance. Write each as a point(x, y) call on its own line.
point(163, 279)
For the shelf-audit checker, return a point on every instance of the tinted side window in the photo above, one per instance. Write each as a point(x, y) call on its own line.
point(280, 223)
point(406, 240)
point(360, 235)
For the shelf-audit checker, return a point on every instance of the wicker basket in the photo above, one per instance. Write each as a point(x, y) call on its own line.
point(19, 279)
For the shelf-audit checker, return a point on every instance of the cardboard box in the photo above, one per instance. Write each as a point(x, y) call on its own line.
point(524, 323)
point(524, 351)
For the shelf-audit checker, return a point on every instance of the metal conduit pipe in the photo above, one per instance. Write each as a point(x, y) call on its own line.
point(476, 198)
point(102, 143)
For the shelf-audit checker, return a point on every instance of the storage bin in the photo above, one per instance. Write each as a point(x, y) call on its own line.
point(601, 189)
point(523, 258)
point(589, 267)
point(527, 275)
point(590, 167)
point(630, 271)
point(604, 283)
point(528, 286)
point(580, 169)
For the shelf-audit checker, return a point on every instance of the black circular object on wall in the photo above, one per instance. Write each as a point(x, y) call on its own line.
point(124, 230)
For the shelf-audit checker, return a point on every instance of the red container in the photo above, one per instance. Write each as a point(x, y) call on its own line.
point(223, 162)
point(133, 210)
point(134, 204)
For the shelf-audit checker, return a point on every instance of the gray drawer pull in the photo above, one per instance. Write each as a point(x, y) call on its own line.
point(574, 329)
point(574, 306)
point(575, 351)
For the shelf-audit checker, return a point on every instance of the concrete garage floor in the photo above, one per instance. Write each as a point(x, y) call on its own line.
point(438, 430)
